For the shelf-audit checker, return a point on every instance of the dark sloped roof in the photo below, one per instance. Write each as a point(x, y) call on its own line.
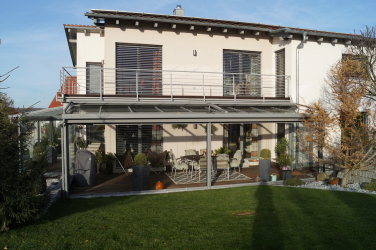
point(137, 15)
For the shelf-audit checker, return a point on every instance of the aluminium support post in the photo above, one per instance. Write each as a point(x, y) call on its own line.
point(208, 155)
point(20, 146)
point(38, 127)
point(65, 166)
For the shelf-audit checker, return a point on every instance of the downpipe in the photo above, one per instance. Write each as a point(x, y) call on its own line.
point(300, 46)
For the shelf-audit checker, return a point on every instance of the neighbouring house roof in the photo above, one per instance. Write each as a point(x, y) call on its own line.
point(102, 14)
point(43, 114)
point(80, 25)
point(70, 89)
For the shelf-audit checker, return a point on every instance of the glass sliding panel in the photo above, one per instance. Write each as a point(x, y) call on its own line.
point(280, 72)
point(251, 145)
point(93, 78)
point(242, 71)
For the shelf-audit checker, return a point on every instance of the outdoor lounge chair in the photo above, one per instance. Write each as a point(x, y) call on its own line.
point(237, 161)
point(125, 160)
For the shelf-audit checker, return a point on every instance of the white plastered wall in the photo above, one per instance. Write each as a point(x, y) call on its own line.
point(177, 51)
point(178, 140)
point(315, 59)
point(90, 48)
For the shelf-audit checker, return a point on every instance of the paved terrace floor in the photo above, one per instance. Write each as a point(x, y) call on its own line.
point(119, 182)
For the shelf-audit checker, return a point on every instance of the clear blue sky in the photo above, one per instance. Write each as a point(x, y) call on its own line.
point(32, 34)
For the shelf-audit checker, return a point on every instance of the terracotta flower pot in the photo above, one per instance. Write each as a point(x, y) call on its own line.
point(333, 182)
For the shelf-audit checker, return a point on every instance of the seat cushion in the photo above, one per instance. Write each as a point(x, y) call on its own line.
point(156, 159)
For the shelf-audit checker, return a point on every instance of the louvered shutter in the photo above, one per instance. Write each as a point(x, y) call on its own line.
point(244, 68)
point(141, 64)
point(280, 70)
point(138, 139)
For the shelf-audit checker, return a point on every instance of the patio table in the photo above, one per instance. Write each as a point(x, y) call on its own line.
point(192, 158)
point(197, 159)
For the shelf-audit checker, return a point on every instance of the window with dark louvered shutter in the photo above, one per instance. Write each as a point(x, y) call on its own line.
point(242, 71)
point(141, 64)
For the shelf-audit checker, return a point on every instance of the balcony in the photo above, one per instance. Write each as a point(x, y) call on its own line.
point(168, 85)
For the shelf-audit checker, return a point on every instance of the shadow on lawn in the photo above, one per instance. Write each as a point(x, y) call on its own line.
point(332, 219)
point(266, 229)
point(66, 207)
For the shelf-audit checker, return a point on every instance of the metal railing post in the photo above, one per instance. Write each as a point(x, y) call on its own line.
point(203, 85)
point(137, 84)
point(64, 83)
point(288, 86)
point(262, 86)
point(233, 87)
point(172, 97)
point(100, 84)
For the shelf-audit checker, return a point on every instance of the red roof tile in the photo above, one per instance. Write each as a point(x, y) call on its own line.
point(79, 25)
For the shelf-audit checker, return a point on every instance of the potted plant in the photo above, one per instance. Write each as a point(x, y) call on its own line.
point(108, 160)
point(264, 164)
point(99, 159)
point(284, 160)
point(81, 143)
point(141, 172)
point(222, 150)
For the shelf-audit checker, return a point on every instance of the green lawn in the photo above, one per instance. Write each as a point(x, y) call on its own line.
point(275, 218)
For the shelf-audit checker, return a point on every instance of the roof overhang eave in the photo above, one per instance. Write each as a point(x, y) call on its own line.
point(148, 19)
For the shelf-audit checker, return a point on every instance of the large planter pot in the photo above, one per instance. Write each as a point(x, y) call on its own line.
point(109, 168)
point(264, 170)
point(51, 155)
point(141, 177)
point(285, 174)
point(98, 167)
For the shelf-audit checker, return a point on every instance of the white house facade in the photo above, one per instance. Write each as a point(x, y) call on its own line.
point(141, 75)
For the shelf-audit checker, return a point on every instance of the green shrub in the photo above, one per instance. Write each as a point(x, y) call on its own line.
point(141, 159)
point(37, 152)
point(223, 150)
point(285, 160)
point(293, 182)
point(265, 154)
point(282, 146)
point(370, 186)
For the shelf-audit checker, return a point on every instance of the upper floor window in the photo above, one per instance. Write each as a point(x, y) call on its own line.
point(241, 71)
point(280, 72)
point(139, 65)
point(93, 77)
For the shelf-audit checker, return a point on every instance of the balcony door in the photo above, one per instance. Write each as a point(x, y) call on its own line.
point(280, 72)
point(139, 65)
point(93, 77)
point(242, 71)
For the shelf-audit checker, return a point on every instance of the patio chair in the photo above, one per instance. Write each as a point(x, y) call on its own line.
point(157, 161)
point(202, 166)
point(178, 165)
point(125, 160)
point(193, 163)
point(237, 161)
point(223, 164)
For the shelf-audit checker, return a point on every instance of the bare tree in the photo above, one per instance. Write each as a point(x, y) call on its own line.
point(363, 48)
point(340, 132)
